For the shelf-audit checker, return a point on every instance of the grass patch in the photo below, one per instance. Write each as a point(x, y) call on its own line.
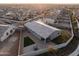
point(28, 41)
point(65, 35)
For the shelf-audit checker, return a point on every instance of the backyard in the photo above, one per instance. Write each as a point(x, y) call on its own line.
point(65, 35)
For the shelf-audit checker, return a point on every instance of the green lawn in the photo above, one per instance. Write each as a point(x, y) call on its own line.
point(28, 41)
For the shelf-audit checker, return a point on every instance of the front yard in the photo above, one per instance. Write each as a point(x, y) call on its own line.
point(28, 41)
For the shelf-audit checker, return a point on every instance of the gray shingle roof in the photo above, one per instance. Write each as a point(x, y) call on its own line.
point(40, 28)
point(3, 29)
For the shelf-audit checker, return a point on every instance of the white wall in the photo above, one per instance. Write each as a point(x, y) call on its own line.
point(55, 34)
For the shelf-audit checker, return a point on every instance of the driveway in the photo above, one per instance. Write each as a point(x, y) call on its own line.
point(9, 46)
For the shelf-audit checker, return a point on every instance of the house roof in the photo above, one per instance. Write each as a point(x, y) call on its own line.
point(3, 28)
point(40, 28)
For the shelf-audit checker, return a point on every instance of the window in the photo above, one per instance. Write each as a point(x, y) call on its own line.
point(42, 39)
point(6, 33)
point(11, 31)
point(48, 39)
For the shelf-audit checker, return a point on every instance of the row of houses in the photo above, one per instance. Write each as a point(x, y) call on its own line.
point(39, 29)
point(63, 19)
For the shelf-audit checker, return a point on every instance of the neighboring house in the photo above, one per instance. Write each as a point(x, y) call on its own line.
point(9, 15)
point(42, 31)
point(47, 20)
point(63, 19)
point(6, 31)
